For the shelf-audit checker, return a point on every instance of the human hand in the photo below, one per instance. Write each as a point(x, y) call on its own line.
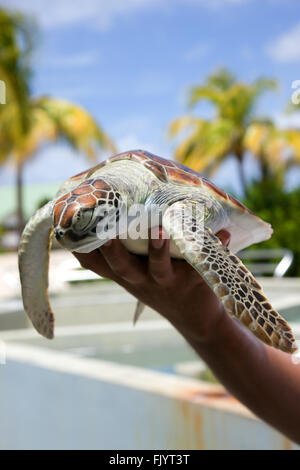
point(175, 290)
point(171, 287)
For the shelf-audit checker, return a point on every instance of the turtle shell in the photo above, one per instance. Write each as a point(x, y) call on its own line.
point(244, 226)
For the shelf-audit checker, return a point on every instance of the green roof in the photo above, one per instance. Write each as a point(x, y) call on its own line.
point(33, 195)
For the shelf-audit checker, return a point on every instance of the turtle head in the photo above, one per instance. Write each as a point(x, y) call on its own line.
point(88, 216)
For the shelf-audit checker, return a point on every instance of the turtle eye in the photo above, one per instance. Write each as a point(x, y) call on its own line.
point(82, 219)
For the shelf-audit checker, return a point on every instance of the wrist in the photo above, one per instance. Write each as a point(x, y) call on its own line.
point(205, 330)
point(228, 339)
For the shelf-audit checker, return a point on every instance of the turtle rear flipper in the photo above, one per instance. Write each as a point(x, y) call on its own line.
point(241, 295)
point(138, 311)
point(33, 266)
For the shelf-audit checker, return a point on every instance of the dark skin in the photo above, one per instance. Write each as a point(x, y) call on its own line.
point(263, 378)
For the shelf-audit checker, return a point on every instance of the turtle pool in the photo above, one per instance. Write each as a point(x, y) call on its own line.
point(104, 384)
point(95, 321)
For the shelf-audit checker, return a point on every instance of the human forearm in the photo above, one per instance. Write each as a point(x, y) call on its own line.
point(263, 378)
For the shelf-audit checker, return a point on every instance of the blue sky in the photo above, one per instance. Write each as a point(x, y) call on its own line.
point(130, 63)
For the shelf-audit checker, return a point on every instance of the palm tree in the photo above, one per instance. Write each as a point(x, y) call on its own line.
point(276, 150)
point(16, 41)
point(268, 145)
point(26, 123)
point(49, 119)
point(209, 143)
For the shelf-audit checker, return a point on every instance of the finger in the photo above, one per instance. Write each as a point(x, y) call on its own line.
point(159, 260)
point(94, 261)
point(123, 264)
point(224, 236)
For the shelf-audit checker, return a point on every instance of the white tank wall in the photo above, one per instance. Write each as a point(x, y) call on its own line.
point(52, 400)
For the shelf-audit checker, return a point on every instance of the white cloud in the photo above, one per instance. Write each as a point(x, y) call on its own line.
point(131, 142)
point(134, 142)
point(82, 59)
point(286, 48)
point(133, 133)
point(285, 121)
point(99, 14)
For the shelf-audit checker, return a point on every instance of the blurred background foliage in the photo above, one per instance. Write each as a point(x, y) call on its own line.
point(281, 208)
point(236, 130)
point(28, 122)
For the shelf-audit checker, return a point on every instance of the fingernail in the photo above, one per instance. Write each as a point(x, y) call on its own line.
point(157, 243)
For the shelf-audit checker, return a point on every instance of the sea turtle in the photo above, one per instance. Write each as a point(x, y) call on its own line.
point(139, 177)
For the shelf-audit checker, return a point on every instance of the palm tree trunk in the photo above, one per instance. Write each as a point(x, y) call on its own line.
point(264, 168)
point(242, 177)
point(19, 183)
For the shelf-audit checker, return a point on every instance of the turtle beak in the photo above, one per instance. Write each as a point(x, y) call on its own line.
point(75, 242)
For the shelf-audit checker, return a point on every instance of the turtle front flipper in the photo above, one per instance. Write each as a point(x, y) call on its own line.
point(241, 295)
point(33, 266)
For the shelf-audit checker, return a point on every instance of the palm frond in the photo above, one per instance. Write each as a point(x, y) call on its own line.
point(75, 125)
point(205, 93)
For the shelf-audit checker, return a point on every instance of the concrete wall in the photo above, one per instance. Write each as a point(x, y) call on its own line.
point(53, 400)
